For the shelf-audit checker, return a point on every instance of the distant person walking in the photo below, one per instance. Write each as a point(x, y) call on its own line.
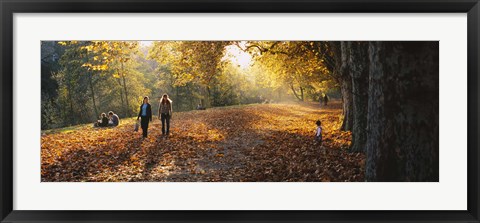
point(325, 100)
point(146, 115)
point(165, 113)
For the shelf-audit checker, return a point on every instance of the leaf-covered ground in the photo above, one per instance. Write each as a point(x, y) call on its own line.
point(262, 142)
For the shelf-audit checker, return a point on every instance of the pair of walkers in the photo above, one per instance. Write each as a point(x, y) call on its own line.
point(164, 114)
point(323, 99)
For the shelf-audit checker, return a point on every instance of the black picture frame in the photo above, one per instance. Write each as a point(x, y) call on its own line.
point(9, 7)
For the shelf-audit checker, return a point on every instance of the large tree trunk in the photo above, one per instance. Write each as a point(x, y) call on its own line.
point(346, 86)
point(347, 99)
point(402, 142)
point(359, 68)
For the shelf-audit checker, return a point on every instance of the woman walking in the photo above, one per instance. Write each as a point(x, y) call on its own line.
point(146, 114)
point(165, 113)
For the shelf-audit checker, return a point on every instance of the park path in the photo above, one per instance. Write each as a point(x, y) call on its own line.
point(261, 142)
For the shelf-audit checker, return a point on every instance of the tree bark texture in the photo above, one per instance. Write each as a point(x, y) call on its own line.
point(346, 86)
point(359, 69)
point(403, 107)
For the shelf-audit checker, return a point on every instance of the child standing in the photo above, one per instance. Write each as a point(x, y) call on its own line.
point(318, 134)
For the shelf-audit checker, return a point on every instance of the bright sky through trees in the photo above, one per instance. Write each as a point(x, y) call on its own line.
point(238, 56)
point(146, 43)
point(233, 53)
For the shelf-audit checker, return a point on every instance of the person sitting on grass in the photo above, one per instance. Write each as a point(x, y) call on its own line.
point(103, 122)
point(318, 133)
point(114, 120)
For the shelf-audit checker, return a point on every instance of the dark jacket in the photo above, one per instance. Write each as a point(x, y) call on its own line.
point(104, 122)
point(149, 112)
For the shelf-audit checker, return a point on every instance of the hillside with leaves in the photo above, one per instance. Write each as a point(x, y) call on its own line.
point(246, 143)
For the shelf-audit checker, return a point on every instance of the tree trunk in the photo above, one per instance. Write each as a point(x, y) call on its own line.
point(207, 101)
point(121, 93)
point(192, 103)
point(359, 68)
point(346, 86)
point(127, 113)
point(177, 99)
point(301, 94)
point(295, 92)
point(92, 94)
point(403, 125)
point(71, 116)
point(71, 119)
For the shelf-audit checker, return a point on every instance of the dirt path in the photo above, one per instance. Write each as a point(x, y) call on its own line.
point(268, 142)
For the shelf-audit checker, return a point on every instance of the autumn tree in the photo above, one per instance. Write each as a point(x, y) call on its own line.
point(112, 57)
point(175, 71)
point(205, 57)
point(234, 85)
point(100, 72)
point(50, 55)
point(75, 86)
point(89, 54)
point(292, 62)
point(121, 53)
point(390, 99)
point(265, 79)
point(191, 61)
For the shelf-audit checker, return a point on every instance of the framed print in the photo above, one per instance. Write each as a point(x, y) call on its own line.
point(199, 111)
